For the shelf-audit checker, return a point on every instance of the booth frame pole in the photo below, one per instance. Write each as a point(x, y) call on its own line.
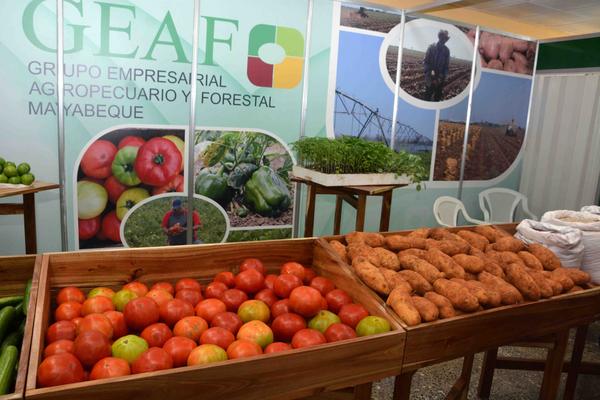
point(60, 98)
point(398, 77)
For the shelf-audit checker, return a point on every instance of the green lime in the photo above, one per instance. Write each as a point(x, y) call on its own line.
point(3, 178)
point(23, 168)
point(10, 171)
point(10, 163)
point(1, 168)
point(15, 180)
point(27, 179)
point(2, 161)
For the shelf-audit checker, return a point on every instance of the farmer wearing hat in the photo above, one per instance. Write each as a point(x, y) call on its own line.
point(435, 66)
point(174, 224)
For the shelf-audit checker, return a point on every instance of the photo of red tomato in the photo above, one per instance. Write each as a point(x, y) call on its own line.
point(134, 141)
point(97, 159)
point(88, 228)
point(111, 227)
point(157, 161)
point(174, 185)
point(114, 188)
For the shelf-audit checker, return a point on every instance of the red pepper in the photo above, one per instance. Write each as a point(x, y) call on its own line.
point(157, 162)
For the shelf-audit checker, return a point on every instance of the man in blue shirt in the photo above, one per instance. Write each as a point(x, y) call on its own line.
point(435, 67)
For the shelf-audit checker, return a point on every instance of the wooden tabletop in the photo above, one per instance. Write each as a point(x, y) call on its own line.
point(368, 190)
point(37, 186)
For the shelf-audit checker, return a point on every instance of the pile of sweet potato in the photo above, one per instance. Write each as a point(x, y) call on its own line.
point(505, 53)
point(432, 274)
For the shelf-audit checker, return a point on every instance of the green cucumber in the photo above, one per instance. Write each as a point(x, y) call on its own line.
point(10, 301)
point(19, 310)
point(22, 327)
point(27, 295)
point(7, 316)
point(8, 361)
point(13, 339)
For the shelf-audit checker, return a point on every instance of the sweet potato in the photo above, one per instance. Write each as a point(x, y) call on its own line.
point(562, 277)
point(399, 242)
point(370, 275)
point(416, 281)
point(444, 263)
point(470, 277)
point(438, 233)
point(517, 275)
point(509, 257)
point(575, 289)
point(479, 293)
point(340, 249)
point(521, 63)
point(520, 45)
point(494, 299)
point(401, 302)
point(510, 66)
point(356, 250)
point(494, 268)
point(506, 49)
point(530, 260)
point(470, 264)
point(458, 295)
point(412, 252)
point(489, 45)
point(428, 311)
point(394, 280)
point(508, 244)
point(555, 285)
point(372, 239)
point(422, 233)
point(450, 247)
point(542, 282)
point(548, 259)
point(491, 232)
point(508, 293)
point(496, 64)
point(446, 310)
point(578, 276)
point(475, 240)
point(387, 259)
point(428, 271)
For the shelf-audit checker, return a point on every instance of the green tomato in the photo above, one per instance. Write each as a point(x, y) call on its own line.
point(91, 199)
point(322, 320)
point(3, 178)
point(129, 348)
point(10, 171)
point(15, 180)
point(372, 325)
point(251, 310)
point(180, 145)
point(122, 166)
point(128, 199)
point(206, 354)
point(122, 297)
point(23, 168)
point(27, 179)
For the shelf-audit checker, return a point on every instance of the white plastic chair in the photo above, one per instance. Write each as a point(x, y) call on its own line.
point(499, 205)
point(446, 210)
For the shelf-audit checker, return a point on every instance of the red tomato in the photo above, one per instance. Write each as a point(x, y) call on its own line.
point(293, 268)
point(90, 347)
point(175, 310)
point(153, 359)
point(226, 277)
point(284, 284)
point(60, 330)
point(97, 305)
point(117, 320)
point(323, 303)
point(307, 337)
point(133, 141)
point(228, 320)
point(208, 308)
point(267, 296)
point(156, 334)
point(59, 369)
point(59, 347)
point(137, 287)
point(215, 290)
point(276, 347)
point(252, 263)
point(233, 298)
point(188, 283)
point(166, 286)
point(88, 228)
point(309, 275)
point(110, 367)
point(243, 348)
point(270, 280)
point(96, 322)
point(250, 281)
point(306, 301)
point(286, 325)
point(280, 307)
point(179, 348)
point(97, 159)
point(351, 314)
point(190, 327)
point(111, 227)
point(159, 296)
point(322, 284)
point(141, 312)
point(70, 293)
point(114, 188)
point(77, 321)
point(157, 162)
point(336, 299)
point(68, 311)
point(219, 336)
point(337, 331)
point(173, 186)
point(191, 296)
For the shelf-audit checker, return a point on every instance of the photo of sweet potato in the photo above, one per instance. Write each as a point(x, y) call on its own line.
point(422, 233)
point(399, 242)
point(428, 311)
point(370, 275)
point(530, 260)
point(394, 280)
point(443, 304)
point(387, 259)
point(508, 293)
point(578, 276)
point(542, 282)
point(444, 263)
point(372, 239)
point(548, 259)
point(402, 304)
point(428, 271)
point(470, 264)
point(340, 249)
point(508, 244)
point(475, 240)
point(416, 281)
point(519, 278)
point(458, 295)
point(412, 252)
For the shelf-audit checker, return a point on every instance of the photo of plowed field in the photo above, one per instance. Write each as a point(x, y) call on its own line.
point(368, 19)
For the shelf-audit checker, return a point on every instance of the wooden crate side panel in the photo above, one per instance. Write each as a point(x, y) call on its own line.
point(14, 274)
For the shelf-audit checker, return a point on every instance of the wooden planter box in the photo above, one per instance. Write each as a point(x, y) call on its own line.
point(349, 179)
point(286, 375)
point(14, 274)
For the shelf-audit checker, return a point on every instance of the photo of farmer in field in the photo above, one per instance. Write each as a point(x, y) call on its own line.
point(368, 18)
point(435, 67)
point(174, 224)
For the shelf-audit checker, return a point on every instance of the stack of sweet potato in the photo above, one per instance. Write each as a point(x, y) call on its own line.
point(432, 274)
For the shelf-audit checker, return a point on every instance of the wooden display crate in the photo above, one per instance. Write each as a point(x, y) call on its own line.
point(285, 375)
point(14, 274)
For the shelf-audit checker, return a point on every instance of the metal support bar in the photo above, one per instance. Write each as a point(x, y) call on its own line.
point(60, 97)
point(398, 77)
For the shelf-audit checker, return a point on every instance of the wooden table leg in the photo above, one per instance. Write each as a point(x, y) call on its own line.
point(29, 217)
point(337, 221)
point(487, 373)
point(554, 364)
point(386, 206)
point(309, 221)
point(578, 347)
point(363, 392)
point(402, 386)
point(465, 376)
point(360, 212)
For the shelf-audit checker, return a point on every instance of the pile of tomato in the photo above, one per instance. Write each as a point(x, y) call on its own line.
point(114, 177)
point(136, 329)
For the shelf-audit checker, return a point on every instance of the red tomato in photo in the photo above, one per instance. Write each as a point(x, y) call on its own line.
point(175, 185)
point(252, 263)
point(293, 268)
point(97, 159)
point(243, 348)
point(137, 287)
point(266, 296)
point(217, 335)
point(175, 310)
point(336, 299)
point(233, 298)
point(215, 290)
point(60, 330)
point(141, 312)
point(70, 293)
point(156, 334)
point(110, 367)
point(250, 281)
point(59, 347)
point(153, 359)
point(68, 311)
point(351, 314)
point(159, 296)
point(309, 275)
point(307, 338)
point(225, 277)
point(90, 347)
point(157, 162)
point(96, 322)
point(179, 348)
point(270, 280)
point(286, 325)
point(280, 307)
point(97, 305)
point(59, 369)
point(166, 286)
point(188, 283)
point(111, 227)
point(306, 301)
point(322, 284)
point(228, 320)
point(336, 332)
point(88, 228)
point(276, 347)
point(284, 284)
point(133, 141)
point(117, 320)
point(193, 297)
point(191, 328)
point(208, 308)
point(114, 188)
